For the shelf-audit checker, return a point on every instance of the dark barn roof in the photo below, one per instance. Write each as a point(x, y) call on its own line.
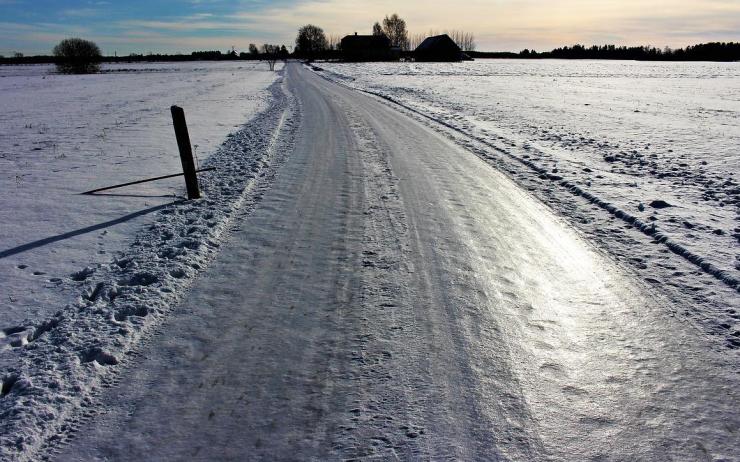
point(438, 48)
point(366, 48)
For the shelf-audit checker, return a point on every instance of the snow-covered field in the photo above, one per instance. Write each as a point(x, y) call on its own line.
point(378, 281)
point(85, 278)
point(621, 148)
point(388, 297)
point(62, 135)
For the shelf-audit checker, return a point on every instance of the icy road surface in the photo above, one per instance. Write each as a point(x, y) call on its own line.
point(394, 296)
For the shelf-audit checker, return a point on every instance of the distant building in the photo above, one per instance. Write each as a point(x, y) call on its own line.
point(366, 48)
point(439, 48)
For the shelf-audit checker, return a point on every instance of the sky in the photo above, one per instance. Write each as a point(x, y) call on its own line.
point(169, 26)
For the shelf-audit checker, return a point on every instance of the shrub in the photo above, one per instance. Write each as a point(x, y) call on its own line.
point(77, 56)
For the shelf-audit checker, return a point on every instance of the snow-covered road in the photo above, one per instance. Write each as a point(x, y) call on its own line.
point(394, 296)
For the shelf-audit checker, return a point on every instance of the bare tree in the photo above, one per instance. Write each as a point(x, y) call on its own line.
point(395, 28)
point(415, 40)
point(455, 36)
point(270, 54)
point(310, 41)
point(465, 40)
point(470, 44)
point(335, 41)
point(253, 50)
point(377, 29)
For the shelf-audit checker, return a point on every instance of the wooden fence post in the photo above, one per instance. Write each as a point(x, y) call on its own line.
point(186, 152)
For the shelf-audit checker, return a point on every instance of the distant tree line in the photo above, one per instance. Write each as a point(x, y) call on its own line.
point(266, 51)
point(713, 51)
point(312, 43)
point(465, 40)
point(211, 55)
point(394, 28)
point(77, 55)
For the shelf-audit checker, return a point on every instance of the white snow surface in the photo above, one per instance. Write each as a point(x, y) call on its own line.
point(391, 296)
point(61, 135)
point(382, 294)
point(600, 141)
point(54, 358)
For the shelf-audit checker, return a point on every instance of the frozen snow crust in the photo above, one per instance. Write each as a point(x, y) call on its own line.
point(64, 134)
point(649, 229)
point(52, 369)
point(711, 304)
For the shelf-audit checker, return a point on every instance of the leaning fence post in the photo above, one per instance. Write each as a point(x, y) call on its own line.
point(186, 152)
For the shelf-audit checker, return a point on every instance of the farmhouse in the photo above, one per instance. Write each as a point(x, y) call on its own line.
point(439, 48)
point(366, 48)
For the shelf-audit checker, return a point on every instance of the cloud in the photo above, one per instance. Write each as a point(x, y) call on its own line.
point(81, 12)
point(514, 24)
point(497, 24)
